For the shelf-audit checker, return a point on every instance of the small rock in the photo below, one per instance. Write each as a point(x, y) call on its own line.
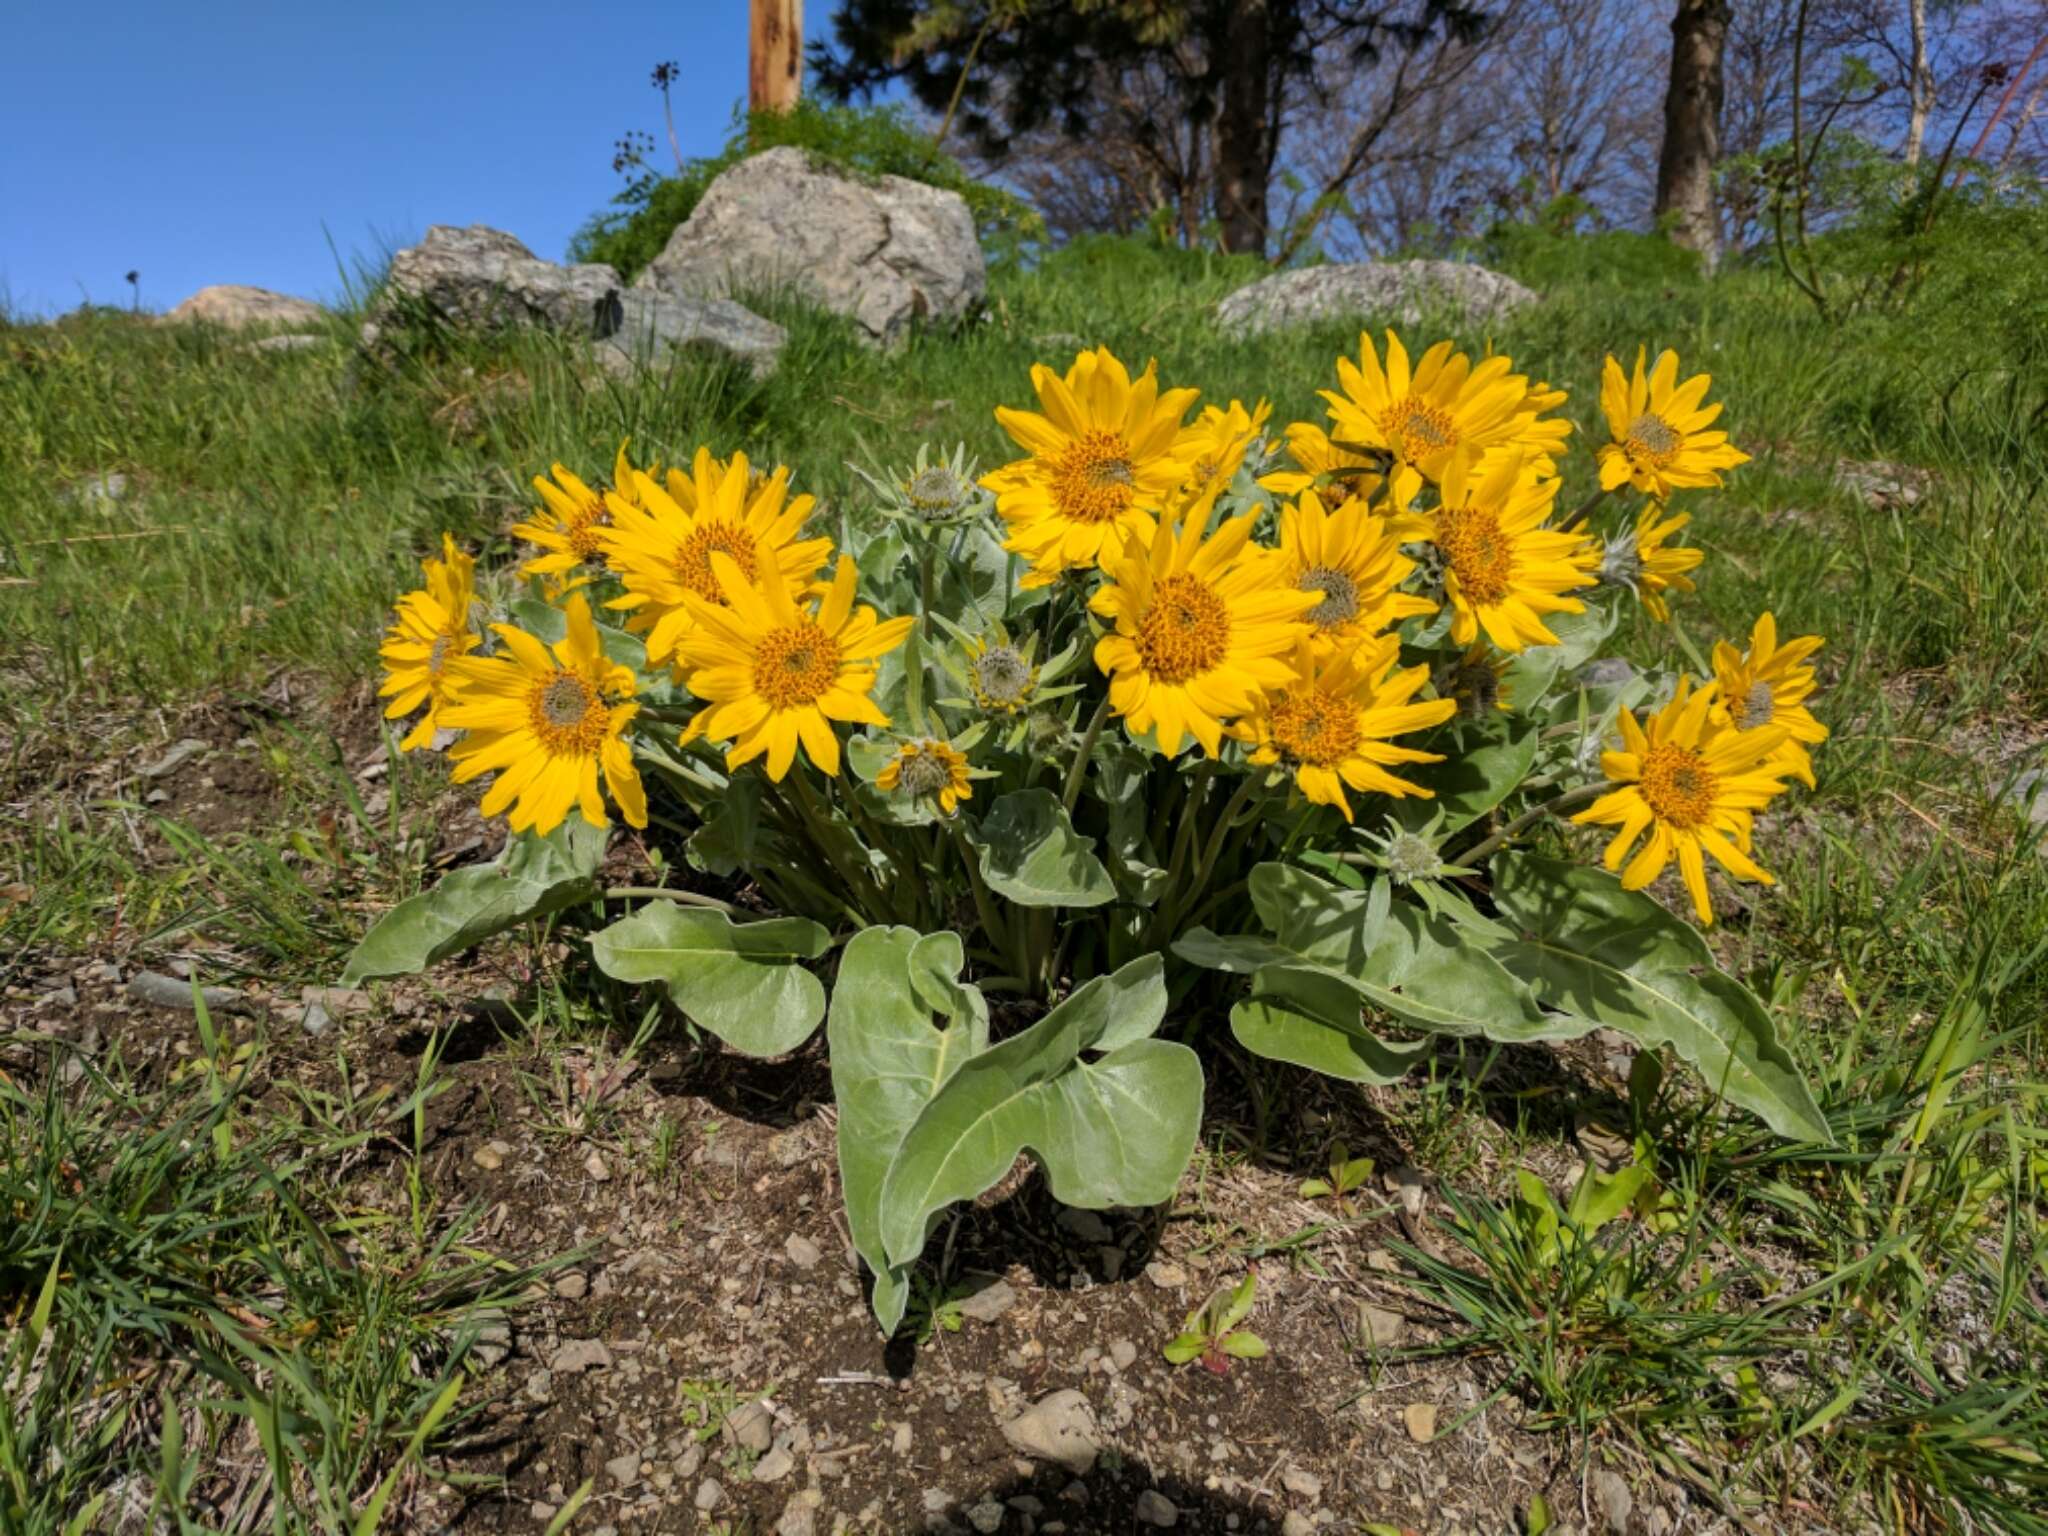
point(594, 1165)
point(580, 1355)
point(315, 1020)
point(1168, 1277)
point(990, 1302)
point(1303, 1483)
point(1155, 1508)
point(751, 1426)
point(1421, 1421)
point(1381, 1329)
point(1402, 291)
point(1059, 1427)
point(802, 1252)
point(160, 991)
point(800, 1514)
point(62, 997)
point(937, 1501)
point(986, 1517)
point(624, 1470)
point(101, 973)
point(179, 754)
point(687, 1464)
point(710, 1494)
point(236, 306)
point(899, 1442)
point(1611, 1493)
point(491, 1155)
point(1025, 1504)
point(493, 1342)
point(1382, 1261)
point(573, 1286)
point(2029, 796)
point(1086, 1225)
point(112, 486)
point(1123, 1354)
point(776, 1465)
point(1297, 1524)
point(540, 1386)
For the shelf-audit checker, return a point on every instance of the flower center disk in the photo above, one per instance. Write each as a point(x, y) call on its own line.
point(924, 771)
point(1002, 677)
point(1312, 727)
point(693, 557)
point(1652, 439)
point(1096, 482)
point(1679, 786)
point(1419, 429)
point(1478, 553)
point(1185, 632)
point(1340, 596)
point(1756, 707)
point(795, 665)
point(566, 714)
point(584, 528)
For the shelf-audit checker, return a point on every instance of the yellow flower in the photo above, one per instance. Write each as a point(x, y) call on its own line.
point(662, 546)
point(1442, 416)
point(682, 483)
point(1503, 569)
point(777, 674)
point(1333, 726)
point(1351, 559)
point(1693, 783)
point(928, 769)
point(570, 527)
point(545, 719)
point(1642, 561)
point(1201, 630)
point(1216, 443)
point(1661, 442)
point(1539, 437)
point(1105, 459)
point(1768, 686)
point(432, 629)
point(1336, 475)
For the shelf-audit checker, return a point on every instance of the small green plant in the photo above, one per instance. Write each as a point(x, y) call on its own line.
point(1211, 1333)
point(1346, 1174)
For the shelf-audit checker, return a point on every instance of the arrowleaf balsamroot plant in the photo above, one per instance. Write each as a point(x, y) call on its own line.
point(1288, 707)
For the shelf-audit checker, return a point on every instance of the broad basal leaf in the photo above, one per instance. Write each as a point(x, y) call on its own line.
point(1030, 853)
point(532, 877)
point(1311, 1019)
point(1617, 958)
point(1485, 767)
point(888, 1059)
point(745, 982)
point(1115, 1130)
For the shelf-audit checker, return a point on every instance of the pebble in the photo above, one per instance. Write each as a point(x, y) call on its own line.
point(314, 1019)
point(775, 1466)
point(1421, 1421)
point(937, 1501)
point(800, 1514)
point(1059, 1427)
point(540, 1386)
point(751, 1426)
point(687, 1464)
point(1155, 1508)
point(1301, 1481)
point(990, 1302)
point(1297, 1524)
point(624, 1470)
point(1382, 1329)
point(1617, 1504)
point(179, 754)
point(1167, 1277)
point(986, 1517)
point(802, 1252)
point(101, 973)
point(1025, 1504)
point(710, 1494)
point(1123, 1354)
point(580, 1355)
point(491, 1155)
point(161, 991)
point(899, 1442)
point(573, 1286)
point(594, 1165)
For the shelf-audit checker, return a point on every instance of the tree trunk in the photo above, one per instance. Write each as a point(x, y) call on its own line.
point(1244, 153)
point(775, 55)
point(1921, 91)
point(1692, 127)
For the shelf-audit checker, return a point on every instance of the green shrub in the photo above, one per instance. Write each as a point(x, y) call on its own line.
point(870, 141)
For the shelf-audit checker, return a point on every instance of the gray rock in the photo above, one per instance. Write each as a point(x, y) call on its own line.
point(1155, 1508)
point(175, 757)
point(1302, 1482)
point(236, 307)
point(1060, 1427)
point(579, 1355)
point(883, 251)
point(290, 341)
point(99, 490)
point(653, 327)
point(937, 1501)
point(1611, 1493)
point(1382, 1329)
point(160, 991)
point(710, 1494)
point(1297, 1524)
point(101, 973)
point(624, 1470)
point(1401, 291)
point(1881, 485)
point(1123, 1354)
point(2029, 796)
point(800, 1514)
point(802, 1252)
point(986, 1517)
point(990, 1302)
point(776, 1465)
point(484, 279)
point(60, 997)
point(314, 1019)
point(573, 1286)
point(751, 1427)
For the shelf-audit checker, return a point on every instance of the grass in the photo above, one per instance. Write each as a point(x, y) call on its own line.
point(1853, 1338)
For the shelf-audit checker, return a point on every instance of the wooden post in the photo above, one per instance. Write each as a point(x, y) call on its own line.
point(775, 55)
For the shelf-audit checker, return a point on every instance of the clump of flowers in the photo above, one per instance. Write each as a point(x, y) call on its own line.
point(1171, 694)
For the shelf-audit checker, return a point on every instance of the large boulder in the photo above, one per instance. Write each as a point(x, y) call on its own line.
point(238, 307)
point(484, 279)
point(882, 250)
point(1403, 291)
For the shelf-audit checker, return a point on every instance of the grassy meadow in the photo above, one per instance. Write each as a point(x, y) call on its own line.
point(235, 1296)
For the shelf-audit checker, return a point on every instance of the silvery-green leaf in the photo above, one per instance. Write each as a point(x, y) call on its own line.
point(744, 982)
point(1030, 853)
point(1311, 1019)
point(1488, 763)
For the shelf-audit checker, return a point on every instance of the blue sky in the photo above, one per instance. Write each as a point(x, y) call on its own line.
point(225, 142)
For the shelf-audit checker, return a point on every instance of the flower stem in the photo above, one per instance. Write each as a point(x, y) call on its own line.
point(1583, 511)
point(1071, 793)
point(1559, 803)
point(666, 893)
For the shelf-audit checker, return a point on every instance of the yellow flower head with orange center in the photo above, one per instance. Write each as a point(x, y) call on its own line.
point(432, 629)
point(1332, 728)
point(1216, 443)
point(570, 525)
point(776, 672)
point(1661, 442)
point(1106, 458)
point(1351, 559)
point(1540, 438)
point(928, 769)
point(1440, 416)
point(1692, 783)
point(1768, 686)
point(1503, 570)
point(547, 720)
point(1202, 629)
point(1336, 475)
point(1642, 559)
point(661, 545)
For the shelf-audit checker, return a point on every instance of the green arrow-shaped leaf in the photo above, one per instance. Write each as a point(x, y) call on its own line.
point(531, 877)
point(1030, 852)
point(1618, 958)
point(741, 981)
